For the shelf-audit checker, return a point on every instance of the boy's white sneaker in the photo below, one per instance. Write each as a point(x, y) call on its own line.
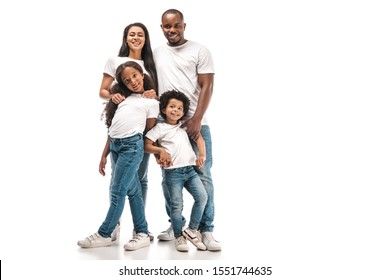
point(95, 240)
point(181, 244)
point(195, 238)
point(210, 242)
point(140, 240)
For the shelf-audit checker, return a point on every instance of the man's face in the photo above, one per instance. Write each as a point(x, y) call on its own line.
point(173, 28)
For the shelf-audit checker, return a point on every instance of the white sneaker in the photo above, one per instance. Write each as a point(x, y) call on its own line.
point(115, 234)
point(181, 244)
point(140, 240)
point(95, 240)
point(194, 237)
point(210, 242)
point(167, 235)
point(151, 236)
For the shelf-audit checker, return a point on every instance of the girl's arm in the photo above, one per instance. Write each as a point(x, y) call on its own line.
point(103, 159)
point(150, 123)
point(202, 151)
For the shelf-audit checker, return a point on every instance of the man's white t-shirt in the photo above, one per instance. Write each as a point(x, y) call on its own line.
point(175, 141)
point(178, 69)
point(131, 114)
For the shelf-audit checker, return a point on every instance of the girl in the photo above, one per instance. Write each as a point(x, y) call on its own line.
point(126, 124)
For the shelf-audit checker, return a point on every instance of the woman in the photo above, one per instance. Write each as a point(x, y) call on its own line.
point(136, 47)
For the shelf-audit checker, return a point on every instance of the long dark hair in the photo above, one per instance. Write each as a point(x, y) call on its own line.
point(120, 87)
point(147, 54)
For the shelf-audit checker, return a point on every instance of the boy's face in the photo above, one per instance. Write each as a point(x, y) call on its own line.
point(174, 111)
point(133, 79)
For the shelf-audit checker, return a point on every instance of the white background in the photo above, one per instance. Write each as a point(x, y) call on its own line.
point(300, 123)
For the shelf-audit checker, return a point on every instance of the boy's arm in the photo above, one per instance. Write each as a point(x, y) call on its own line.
point(103, 159)
point(202, 151)
point(164, 158)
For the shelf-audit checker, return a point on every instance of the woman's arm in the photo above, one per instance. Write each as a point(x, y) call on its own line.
point(105, 90)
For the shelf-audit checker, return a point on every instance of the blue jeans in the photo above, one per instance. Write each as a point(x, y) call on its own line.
point(143, 175)
point(207, 222)
point(126, 155)
point(186, 177)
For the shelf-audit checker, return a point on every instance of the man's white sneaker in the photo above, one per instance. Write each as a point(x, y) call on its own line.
point(115, 234)
point(167, 235)
point(181, 244)
point(95, 240)
point(194, 237)
point(210, 242)
point(140, 240)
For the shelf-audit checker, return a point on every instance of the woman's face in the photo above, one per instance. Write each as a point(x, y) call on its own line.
point(135, 38)
point(133, 79)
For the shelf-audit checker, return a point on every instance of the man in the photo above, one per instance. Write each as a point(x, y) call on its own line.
point(187, 66)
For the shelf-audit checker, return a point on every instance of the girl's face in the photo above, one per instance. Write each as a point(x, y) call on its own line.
point(174, 111)
point(133, 79)
point(135, 38)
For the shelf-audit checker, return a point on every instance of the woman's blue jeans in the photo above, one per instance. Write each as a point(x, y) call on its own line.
point(126, 155)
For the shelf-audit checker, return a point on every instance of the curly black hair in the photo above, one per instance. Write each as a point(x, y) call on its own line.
point(120, 87)
point(174, 94)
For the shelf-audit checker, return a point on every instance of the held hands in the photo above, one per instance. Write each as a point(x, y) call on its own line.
point(165, 159)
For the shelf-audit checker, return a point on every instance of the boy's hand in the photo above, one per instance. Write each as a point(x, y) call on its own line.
point(200, 161)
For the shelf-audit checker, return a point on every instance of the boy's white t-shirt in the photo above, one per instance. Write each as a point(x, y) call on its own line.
point(178, 68)
point(131, 114)
point(175, 141)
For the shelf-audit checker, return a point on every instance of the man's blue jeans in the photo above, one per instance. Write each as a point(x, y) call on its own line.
point(207, 222)
point(176, 179)
point(126, 155)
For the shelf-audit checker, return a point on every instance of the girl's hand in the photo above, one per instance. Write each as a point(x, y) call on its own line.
point(102, 165)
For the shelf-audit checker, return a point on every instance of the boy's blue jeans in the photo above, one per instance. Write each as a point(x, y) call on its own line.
point(207, 222)
point(186, 177)
point(126, 155)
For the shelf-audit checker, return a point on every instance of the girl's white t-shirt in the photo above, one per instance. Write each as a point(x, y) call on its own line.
point(131, 114)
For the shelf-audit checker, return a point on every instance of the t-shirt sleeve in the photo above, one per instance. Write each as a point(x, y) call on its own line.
point(153, 109)
point(206, 64)
point(154, 133)
point(109, 68)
